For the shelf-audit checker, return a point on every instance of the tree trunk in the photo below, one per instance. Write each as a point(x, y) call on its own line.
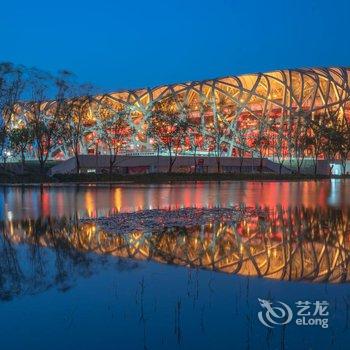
point(42, 160)
point(110, 167)
point(298, 168)
point(42, 164)
point(300, 162)
point(77, 163)
point(23, 161)
point(110, 170)
point(170, 161)
point(218, 163)
point(241, 164)
point(330, 170)
point(112, 160)
point(195, 160)
point(76, 154)
point(170, 169)
point(343, 164)
point(158, 151)
point(315, 165)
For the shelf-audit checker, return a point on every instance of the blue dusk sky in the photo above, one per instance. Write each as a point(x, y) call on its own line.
point(130, 44)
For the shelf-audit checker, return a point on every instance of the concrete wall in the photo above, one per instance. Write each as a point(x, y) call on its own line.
point(152, 164)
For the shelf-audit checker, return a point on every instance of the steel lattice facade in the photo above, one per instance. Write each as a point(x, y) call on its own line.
point(234, 101)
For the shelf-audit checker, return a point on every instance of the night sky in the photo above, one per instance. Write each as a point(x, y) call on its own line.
point(131, 44)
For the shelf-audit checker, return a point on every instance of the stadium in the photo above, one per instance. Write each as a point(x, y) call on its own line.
point(270, 115)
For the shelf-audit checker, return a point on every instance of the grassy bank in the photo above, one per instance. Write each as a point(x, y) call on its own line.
point(11, 174)
point(178, 177)
point(150, 178)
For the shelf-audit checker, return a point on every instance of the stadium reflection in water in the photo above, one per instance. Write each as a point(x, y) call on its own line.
point(294, 244)
point(194, 288)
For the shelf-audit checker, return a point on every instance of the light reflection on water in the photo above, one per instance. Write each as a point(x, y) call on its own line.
point(75, 282)
point(295, 244)
point(31, 202)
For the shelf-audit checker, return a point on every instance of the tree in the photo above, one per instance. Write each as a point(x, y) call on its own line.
point(217, 142)
point(20, 139)
point(11, 87)
point(3, 143)
point(298, 139)
point(74, 113)
point(335, 145)
point(341, 139)
point(43, 116)
point(241, 141)
point(341, 142)
point(72, 107)
point(168, 128)
point(46, 135)
point(218, 130)
point(195, 140)
point(261, 140)
point(316, 130)
point(280, 140)
point(337, 136)
point(116, 133)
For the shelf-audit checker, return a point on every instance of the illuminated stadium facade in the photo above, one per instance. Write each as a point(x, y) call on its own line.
point(234, 111)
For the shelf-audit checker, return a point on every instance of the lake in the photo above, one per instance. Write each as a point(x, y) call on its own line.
point(275, 279)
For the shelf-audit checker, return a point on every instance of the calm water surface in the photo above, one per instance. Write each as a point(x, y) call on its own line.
point(67, 284)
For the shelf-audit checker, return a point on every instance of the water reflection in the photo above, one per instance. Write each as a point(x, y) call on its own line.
point(85, 287)
point(88, 200)
point(294, 244)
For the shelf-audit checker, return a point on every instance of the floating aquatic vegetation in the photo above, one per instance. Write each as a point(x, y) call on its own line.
point(156, 219)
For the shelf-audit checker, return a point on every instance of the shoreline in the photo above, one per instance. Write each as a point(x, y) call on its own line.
point(157, 178)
